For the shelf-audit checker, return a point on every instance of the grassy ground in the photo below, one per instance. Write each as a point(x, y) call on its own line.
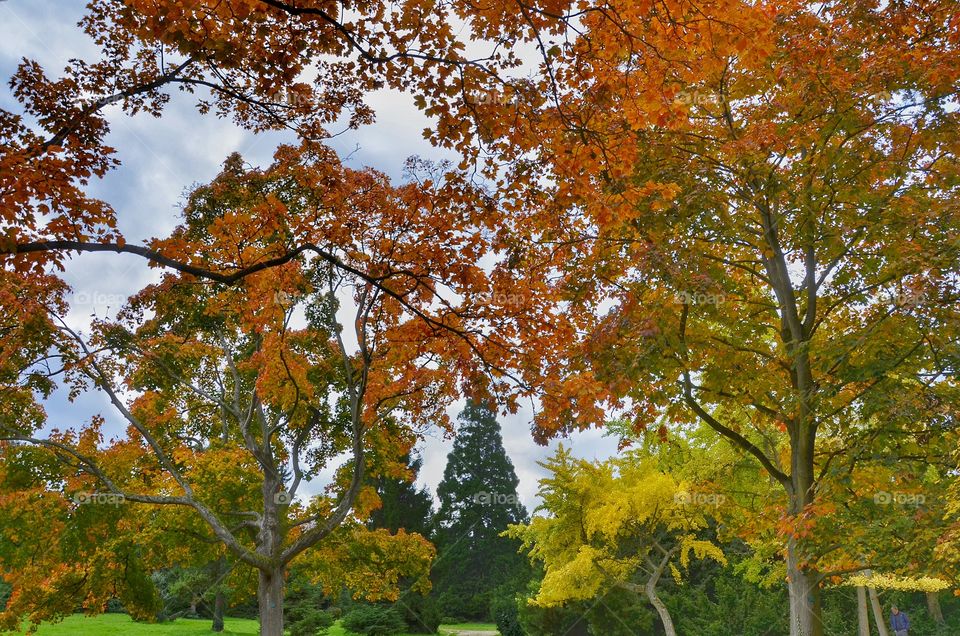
point(121, 625)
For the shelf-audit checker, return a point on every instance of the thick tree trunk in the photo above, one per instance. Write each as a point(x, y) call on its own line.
point(878, 613)
point(933, 606)
point(219, 606)
point(863, 616)
point(270, 601)
point(803, 583)
point(269, 541)
point(804, 589)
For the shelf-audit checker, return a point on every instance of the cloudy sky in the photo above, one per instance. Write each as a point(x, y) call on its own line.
point(162, 158)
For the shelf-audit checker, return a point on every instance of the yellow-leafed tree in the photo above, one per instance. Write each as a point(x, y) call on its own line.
point(623, 522)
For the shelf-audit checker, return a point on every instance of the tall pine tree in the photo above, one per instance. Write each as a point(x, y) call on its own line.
point(404, 505)
point(478, 500)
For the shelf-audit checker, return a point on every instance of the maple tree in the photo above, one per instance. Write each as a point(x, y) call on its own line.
point(218, 386)
point(771, 214)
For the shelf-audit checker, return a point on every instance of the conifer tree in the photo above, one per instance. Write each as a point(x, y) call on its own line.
point(478, 501)
point(403, 504)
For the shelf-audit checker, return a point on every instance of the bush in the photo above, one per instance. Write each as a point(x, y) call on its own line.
point(373, 620)
point(419, 613)
point(506, 614)
point(311, 622)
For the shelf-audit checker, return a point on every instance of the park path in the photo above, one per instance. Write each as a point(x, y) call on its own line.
point(471, 632)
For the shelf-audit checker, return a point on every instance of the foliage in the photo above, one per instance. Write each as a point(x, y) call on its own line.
point(305, 605)
point(230, 408)
point(721, 602)
point(732, 234)
point(608, 522)
point(310, 622)
point(374, 620)
point(5, 590)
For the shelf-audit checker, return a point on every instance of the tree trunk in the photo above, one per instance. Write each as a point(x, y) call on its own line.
point(270, 587)
point(863, 616)
point(804, 589)
point(651, 591)
point(662, 610)
point(803, 583)
point(878, 613)
point(219, 604)
point(270, 601)
point(933, 606)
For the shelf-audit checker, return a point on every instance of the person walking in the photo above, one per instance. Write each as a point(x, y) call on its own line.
point(899, 621)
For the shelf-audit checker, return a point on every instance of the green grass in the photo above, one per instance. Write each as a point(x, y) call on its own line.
point(477, 627)
point(445, 630)
point(121, 625)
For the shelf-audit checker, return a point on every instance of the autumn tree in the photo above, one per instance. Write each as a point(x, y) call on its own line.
point(770, 213)
point(621, 523)
point(261, 377)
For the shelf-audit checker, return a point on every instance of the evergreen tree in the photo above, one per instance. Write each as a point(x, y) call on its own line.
point(478, 500)
point(403, 504)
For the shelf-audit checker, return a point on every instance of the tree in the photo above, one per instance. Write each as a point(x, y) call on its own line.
point(402, 504)
point(770, 214)
point(478, 501)
point(219, 379)
point(621, 523)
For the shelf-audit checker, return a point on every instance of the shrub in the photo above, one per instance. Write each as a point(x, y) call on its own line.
point(311, 622)
point(419, 612)
point(373, 620)
point(506, 614)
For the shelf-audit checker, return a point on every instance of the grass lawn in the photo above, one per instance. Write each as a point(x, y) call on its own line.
point(121, 625)
point(445, 630)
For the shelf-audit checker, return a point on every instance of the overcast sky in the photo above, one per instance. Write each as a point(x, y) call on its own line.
point(162, 158)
